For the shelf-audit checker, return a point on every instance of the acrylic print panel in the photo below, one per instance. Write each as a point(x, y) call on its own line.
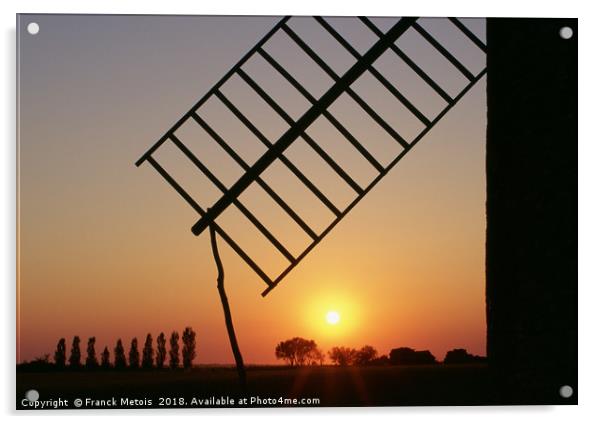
point(237, 211)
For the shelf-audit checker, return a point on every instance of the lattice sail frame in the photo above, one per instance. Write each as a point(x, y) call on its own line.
point(319, 108)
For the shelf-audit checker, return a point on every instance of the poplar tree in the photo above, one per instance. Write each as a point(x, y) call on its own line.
point(75, 359)
point(119, 361)
point(174, 350)
point(60, 355)
point(148, 352)
point(188, 347)
point(91, 361)
point(134, 355)
point(105, 358)
point(161, 351)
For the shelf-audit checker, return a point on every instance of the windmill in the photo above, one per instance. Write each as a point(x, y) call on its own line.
point(341, 83)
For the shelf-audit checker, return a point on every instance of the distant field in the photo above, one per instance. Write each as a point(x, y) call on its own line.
point(271, 386)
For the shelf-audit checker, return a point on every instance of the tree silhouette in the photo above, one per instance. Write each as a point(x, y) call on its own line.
point(296, 351)
point(161, 352)
point(76, 355)
point(148, 352)
point(365, 355)
point(174, 350)
point(188, 347)
point(105, 359)
point(60, 355)
point(342, 356)
point(119, 361)
point(91, 361)
point(134, 355)
point(317, 357)
point(284, 350)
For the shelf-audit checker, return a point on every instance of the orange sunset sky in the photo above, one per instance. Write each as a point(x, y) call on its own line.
point(105, 248)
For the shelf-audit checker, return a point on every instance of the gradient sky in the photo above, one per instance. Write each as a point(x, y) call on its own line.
point(105, 248)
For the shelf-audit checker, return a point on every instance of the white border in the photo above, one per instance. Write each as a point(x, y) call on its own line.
point(590, 211)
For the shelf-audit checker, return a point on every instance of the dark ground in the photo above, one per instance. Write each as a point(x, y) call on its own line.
point(333, 386)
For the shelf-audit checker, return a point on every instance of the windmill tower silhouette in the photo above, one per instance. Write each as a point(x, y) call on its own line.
point(296, 132)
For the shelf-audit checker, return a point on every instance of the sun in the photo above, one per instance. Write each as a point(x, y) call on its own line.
point(333, 317)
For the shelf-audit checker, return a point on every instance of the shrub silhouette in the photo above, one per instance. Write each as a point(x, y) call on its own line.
point(60, 355)
point(461, 356)
point(76, 356)
point(38, 364)
point(161, 352)
point(91, 361)
point(134, 355)
point(297, 351)
point(188, 347)
point(342, 356)
point(119, 361)
point(381, 360)
point(365, 356)
point(174, 350)
point(148, 352)
point(105, 359)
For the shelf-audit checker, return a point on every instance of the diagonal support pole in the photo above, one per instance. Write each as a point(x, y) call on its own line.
point(240, 366)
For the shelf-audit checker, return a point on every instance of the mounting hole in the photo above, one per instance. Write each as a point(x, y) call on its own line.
point(32, 395)
point(33, 28)
point(566, 391)
point(566, 32)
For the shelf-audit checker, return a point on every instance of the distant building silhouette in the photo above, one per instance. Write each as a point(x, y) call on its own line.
point(409, 356)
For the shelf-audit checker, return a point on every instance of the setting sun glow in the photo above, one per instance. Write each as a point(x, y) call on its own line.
point(333, 317)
